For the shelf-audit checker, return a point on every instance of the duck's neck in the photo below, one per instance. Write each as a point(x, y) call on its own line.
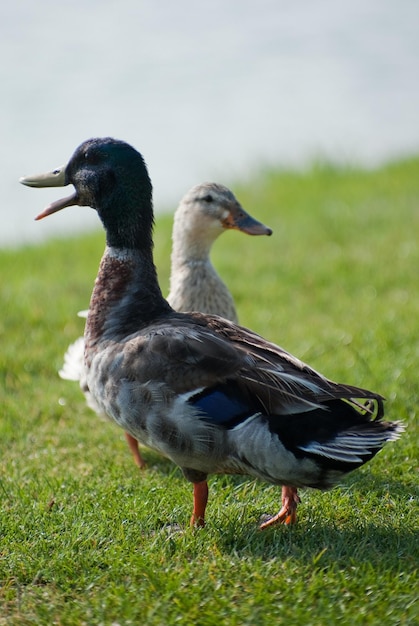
point(190, 246)
point(125, 298)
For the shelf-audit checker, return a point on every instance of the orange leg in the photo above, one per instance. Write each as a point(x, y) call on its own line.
point(133, 446)
point(200, 499)
point(288, 513)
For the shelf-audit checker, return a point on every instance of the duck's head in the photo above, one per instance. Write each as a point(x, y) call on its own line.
point(210, 208)
point(110, 176)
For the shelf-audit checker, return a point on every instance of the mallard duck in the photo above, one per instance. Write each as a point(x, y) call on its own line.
point(211, 396)
point(204, 213)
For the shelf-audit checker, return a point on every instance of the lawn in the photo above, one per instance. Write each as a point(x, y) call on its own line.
point(86, 538)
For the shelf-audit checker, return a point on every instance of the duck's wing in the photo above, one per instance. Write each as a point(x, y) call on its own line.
point(285, 384)
point(182, 355)
point(197, 352)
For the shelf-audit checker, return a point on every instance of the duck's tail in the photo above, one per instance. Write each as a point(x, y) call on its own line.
point(73, 365)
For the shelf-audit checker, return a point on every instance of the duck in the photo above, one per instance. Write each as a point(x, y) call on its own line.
point(211, 396)
point(205, 212)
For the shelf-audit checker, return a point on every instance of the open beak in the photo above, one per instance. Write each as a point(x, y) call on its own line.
point(56, 178)
point(238, 219)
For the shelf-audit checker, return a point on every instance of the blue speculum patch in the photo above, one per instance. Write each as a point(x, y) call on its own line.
point(223, 405)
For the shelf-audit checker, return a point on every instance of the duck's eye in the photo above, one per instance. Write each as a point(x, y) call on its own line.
point(208, 198)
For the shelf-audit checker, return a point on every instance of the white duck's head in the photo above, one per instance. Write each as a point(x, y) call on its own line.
point(206, 211)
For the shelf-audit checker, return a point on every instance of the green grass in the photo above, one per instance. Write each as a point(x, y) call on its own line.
point(87, 539)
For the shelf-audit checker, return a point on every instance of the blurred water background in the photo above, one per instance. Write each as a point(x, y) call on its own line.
point(206, 91)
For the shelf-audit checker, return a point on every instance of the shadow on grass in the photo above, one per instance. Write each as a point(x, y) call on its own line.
point(368, 524)
point(324, 545)
point(369, 521)
point(326, 536)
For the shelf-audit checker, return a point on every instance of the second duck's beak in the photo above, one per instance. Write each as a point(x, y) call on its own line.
point(240, 220)
point(56, 178)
